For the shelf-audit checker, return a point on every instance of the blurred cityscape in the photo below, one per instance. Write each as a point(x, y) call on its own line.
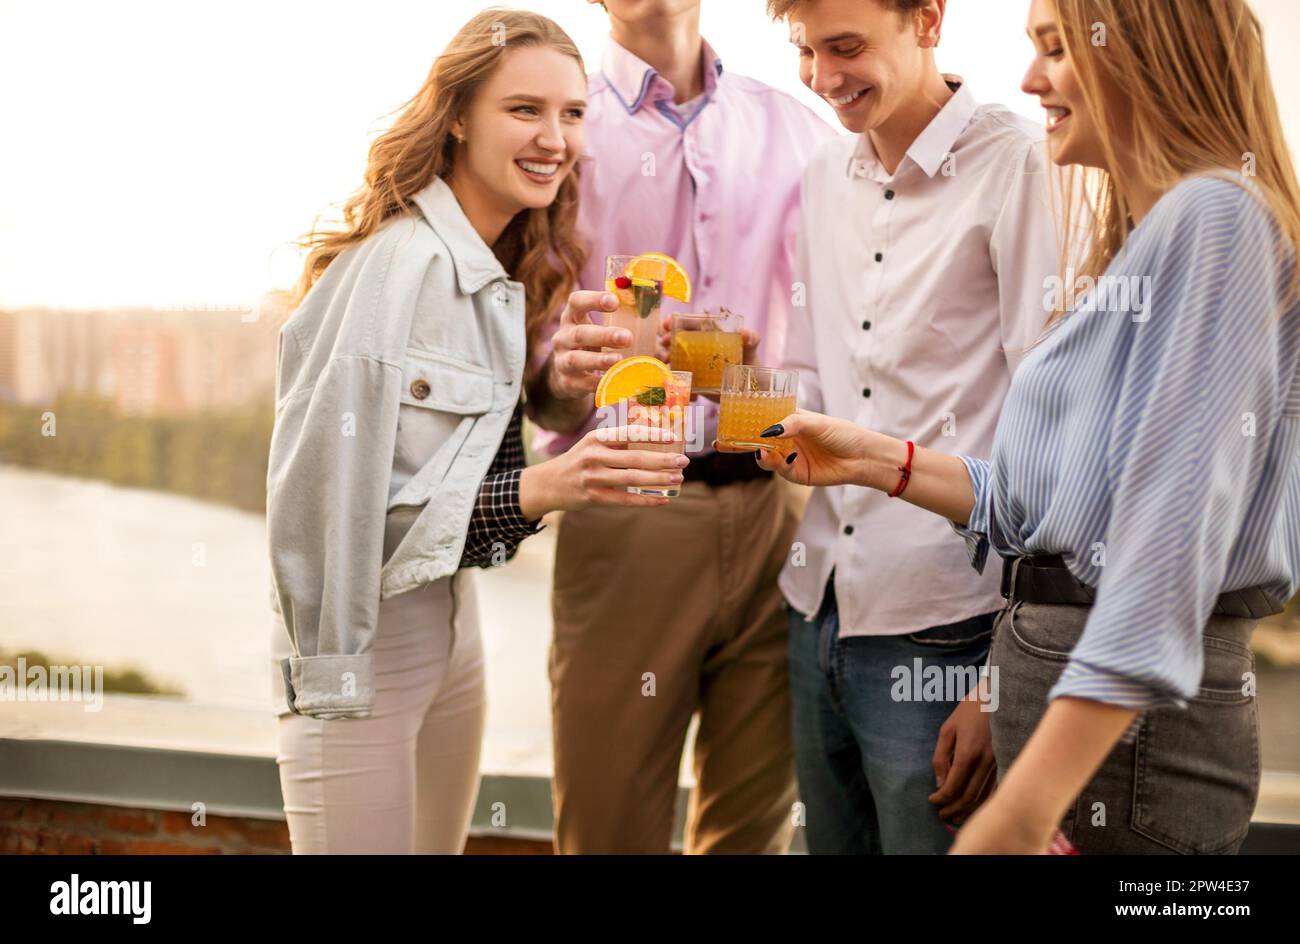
point(144, 361)
point(174, 400)
point(133, 456)
point(135, 538)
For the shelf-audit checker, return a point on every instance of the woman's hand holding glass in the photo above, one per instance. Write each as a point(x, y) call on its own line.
point(598, 469)
point(816, 449)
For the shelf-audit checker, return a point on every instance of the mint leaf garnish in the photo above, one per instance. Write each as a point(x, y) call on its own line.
point(651, 396)
point(647, 298)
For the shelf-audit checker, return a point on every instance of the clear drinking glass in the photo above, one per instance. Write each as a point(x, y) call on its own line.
point(706, 345)
point(754, 398)
point(662, 408)
point(638, 282)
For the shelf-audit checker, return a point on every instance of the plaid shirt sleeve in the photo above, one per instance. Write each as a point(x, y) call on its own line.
point(497, 526)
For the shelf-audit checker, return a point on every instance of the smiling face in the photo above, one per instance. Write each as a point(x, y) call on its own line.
point(863, 56)
point(1072, 136)
point(523, 130)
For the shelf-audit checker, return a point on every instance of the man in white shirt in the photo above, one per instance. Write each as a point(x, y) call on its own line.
point(926, 240)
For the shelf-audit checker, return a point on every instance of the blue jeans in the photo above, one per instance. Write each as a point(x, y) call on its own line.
point(864, 732)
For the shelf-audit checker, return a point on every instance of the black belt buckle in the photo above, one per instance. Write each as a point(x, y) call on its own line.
point(1010, 565)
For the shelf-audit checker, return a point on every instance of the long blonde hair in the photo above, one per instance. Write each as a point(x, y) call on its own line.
point(539, 247)
point(1198, 99)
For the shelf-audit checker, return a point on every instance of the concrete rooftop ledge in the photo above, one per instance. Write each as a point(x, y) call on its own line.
point(516, 807)
point(235, 785)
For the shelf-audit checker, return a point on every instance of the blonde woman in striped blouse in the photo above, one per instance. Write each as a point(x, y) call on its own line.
point(1144, 486)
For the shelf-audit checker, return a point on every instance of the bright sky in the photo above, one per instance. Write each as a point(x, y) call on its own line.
point(164, 153)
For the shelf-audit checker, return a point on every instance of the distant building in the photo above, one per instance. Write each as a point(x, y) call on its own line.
point(149, 362)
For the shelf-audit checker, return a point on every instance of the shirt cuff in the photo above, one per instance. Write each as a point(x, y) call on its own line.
point(1094, 683)
point(976, 531)
point(506, 513)
point(497, 525)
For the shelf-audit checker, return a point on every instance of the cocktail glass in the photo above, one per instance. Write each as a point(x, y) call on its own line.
point(663, 408)
point(638, 282)
point(706, 345)
point(754, 398)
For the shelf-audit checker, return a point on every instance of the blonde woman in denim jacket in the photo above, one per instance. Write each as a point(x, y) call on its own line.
point(397, 461)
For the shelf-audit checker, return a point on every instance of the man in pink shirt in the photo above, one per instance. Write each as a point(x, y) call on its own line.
point(663, 613)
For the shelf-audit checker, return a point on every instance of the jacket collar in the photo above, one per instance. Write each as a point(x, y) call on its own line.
point(631, 77)
point(933, 144)
point(475, 263)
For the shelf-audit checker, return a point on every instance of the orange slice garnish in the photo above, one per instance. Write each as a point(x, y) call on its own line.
point(677, 284)
point(629, 377)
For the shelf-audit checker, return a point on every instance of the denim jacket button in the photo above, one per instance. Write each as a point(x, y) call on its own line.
point(420, 389)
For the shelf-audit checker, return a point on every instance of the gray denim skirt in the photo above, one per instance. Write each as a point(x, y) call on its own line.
point(1181, 780)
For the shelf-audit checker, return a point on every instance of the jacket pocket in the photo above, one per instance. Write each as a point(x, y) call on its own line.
point(1196, 769)
point(442, 400)
point(437, 382)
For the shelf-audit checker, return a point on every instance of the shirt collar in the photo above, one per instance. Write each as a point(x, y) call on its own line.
point(633, 79)
point(475, 263)
point(932, 145)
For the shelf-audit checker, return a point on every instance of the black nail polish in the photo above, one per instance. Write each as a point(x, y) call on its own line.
point(777, 430)
point(758, 456)
point(791, 457)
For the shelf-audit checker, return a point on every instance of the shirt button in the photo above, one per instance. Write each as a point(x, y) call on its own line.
point(889, 194)
point(866, 391)
point(880, 257)
point(866, 326)
point(848, 529)
point(420, 389)
point(708, 281)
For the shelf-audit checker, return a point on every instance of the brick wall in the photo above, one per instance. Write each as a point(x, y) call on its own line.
point(49, 826)
point(55, 827)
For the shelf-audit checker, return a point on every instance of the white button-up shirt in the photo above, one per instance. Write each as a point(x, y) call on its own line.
point(922, 289)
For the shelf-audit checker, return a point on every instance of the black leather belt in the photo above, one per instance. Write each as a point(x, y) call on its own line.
point(1046, 579)
point(723, 468)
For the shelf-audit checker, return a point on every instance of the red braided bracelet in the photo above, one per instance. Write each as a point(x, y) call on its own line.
point(905, 471)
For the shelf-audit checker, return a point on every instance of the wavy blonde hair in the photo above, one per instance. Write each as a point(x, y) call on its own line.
point(539, 247)
point(1197, 99)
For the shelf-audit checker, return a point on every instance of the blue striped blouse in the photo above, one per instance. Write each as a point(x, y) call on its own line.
point(1152, 437)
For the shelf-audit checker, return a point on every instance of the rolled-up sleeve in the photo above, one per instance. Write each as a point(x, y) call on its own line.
point(327, 492)
point(1188, 447)
point(976, 530)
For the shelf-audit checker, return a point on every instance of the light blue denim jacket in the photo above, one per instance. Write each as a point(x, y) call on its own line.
point(416, 332)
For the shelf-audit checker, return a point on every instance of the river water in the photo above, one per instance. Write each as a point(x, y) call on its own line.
point(91, 573)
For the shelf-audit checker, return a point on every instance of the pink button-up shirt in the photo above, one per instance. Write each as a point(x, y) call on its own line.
point(715, 186)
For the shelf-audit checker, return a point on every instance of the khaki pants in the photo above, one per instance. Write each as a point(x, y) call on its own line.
point(660, 613)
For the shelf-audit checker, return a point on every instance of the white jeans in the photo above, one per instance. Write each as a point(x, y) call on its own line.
point(405, 779)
